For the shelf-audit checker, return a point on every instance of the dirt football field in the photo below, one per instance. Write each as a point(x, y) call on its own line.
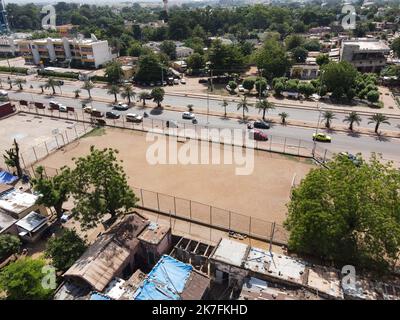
point(262, 194)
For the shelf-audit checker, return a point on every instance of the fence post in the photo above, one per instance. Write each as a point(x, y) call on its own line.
point(76, 132)
point(272, 236)
point(66, 135)
point(175, 205)
point(270, 143)
point(34, 152)
point(190, 209)
point(325, 155)
point(284, 146)
point(230, 220)
point(250, 227)
point(210, 215)
point(298, 150)
point(158, 202)
point(141, 196)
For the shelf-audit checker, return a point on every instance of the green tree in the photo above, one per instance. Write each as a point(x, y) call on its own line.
point(307, 89)
point(158, 95)
point(248, 84)
point(353, 218)
point(114, 90)
point(352, 118)
point(9, 244)
point(264, 105)
point(299, 54)
point(128, 92)
point(169, 48)
point(224, 104)
point(225, 58)
point(272, 60)
point(196, 61)
point(243, 104)
point(278, 88)
point(19, 82)
point(373, 96)
point(283, 116)
point(322, 59)
point(232, 86)
point(65, 249)
point(42, 86)
point(22, 280)
point(100, 187)
point(88, 86)
point(143, 95)
point(328, 116)
point(113, 71)
point(149, 68)
point(190, 107)
point(293, 41)
point(51, 83)
point(339, 78)
point(77, 93)
point(12, 159)
point(395, 46)
point(378, 119)
point(260, 85)
point(54, 191)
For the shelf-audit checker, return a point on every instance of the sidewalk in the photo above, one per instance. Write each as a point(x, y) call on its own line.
point(234, 115)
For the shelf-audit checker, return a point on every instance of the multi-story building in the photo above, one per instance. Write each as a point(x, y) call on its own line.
point(9, 44)
point(87, 53)
point(366, 55)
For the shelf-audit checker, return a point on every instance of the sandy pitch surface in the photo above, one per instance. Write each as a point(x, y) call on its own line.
point(263, 194)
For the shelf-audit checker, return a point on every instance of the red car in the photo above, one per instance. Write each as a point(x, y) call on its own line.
point(258, 135)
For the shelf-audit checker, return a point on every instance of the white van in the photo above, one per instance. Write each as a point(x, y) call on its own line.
point(172, 124)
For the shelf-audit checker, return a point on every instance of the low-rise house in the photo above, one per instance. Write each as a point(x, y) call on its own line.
point(183, 52)
point(155, 241)
point(112, 255)
point(304, 71)
point(32, 226)
point(171, 279)
point(18, 204)
point(179, 65)
point(7, 224)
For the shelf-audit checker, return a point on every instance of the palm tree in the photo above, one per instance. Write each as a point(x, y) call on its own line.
point(328, 116)
point(42, 87)
point(77, 92)
point(19, 82)
point(243, 105)
point(378, 119)
point(115, 90)
point(264, 105)
point(283, 116)
point(224, 105)
point(127, 92)
point(51, 83)
point(88, 86)
point(190, 107)
point(143, 95)
point(351, 118)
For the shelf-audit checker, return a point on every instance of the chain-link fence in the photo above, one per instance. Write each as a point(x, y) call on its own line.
point(187, 130)
point(214, 217)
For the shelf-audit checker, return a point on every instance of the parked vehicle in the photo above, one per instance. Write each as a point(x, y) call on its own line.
point(203, 81)
point(158, 83)
point(54, 105)
point(176, 81)
point(183, 81)
point(172, 124)
point(112, 115)
point(88, 109)
point(261, 124)
point(121, 106)
point(322, 137)
point(62, 108)
point(258, 135)
point(151, 84)
point(3, 93)
point(188, 115)
point(97, 114)
point(164, 83)
point(133, 117)
point(241, 88)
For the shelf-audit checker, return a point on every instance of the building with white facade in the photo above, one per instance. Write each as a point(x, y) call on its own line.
point(87, 53)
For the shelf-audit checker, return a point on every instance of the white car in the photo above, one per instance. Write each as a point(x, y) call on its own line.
point(62, 108)
point(183, 81)
point(176, 81)
point(88, 109)
point(121, 106)
point(3, 93)
point(188, 115)
point(241, 88)
point(133, 117)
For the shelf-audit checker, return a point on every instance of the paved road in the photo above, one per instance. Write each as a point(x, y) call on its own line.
point(389, 147)
point(215, 105)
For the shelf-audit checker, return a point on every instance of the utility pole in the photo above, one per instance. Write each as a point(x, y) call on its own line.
point(319, 115)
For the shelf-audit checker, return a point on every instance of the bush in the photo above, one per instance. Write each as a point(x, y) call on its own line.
point(67, 75)
point(9, 245)
point(99, 79)
point(373, 96)
point(14, 70)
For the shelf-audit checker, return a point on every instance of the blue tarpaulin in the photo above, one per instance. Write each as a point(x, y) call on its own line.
point(7, 178)
point(166, 280)
point(98, 296)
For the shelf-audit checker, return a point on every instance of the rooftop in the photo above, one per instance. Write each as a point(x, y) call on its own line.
point(6, 221)
point(231, 252)
point(15, 201)
point(325, 281)
point(154, 233)
point(32, 222)
point(368, 44)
